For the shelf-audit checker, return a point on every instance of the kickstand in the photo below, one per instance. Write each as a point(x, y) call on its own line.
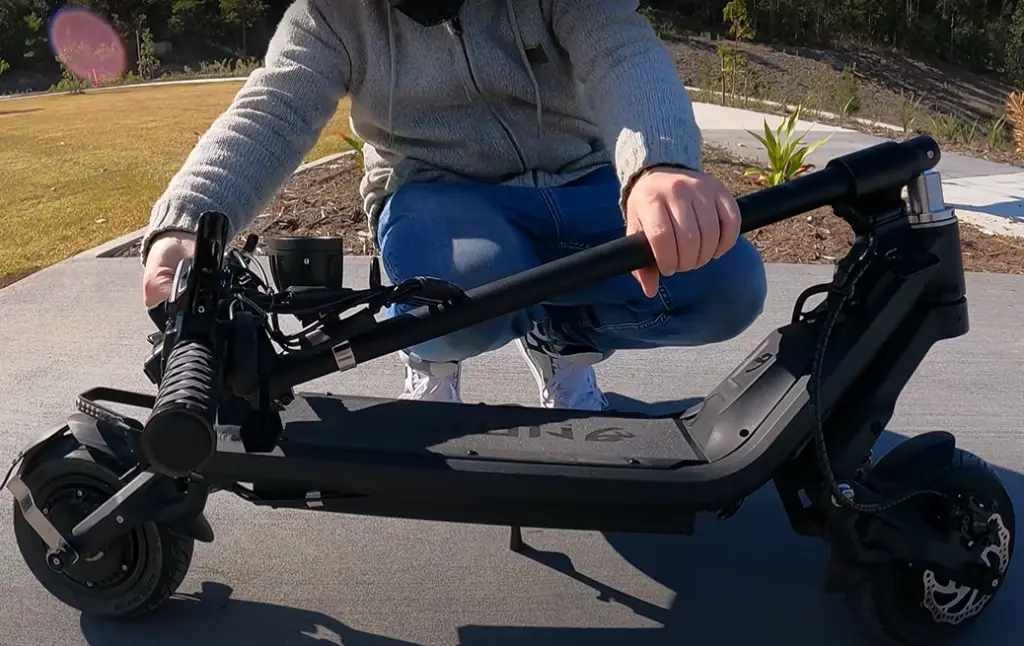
point(515, 540)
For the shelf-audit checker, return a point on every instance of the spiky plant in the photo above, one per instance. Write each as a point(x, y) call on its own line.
point(1015, 113)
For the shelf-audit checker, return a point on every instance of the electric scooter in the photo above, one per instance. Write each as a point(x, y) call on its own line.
point(108, 507)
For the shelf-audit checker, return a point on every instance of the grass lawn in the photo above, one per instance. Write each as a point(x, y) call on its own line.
point(76, 171)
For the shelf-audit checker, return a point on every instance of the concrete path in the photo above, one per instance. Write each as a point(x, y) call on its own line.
point(985, 193)
point(300, 578)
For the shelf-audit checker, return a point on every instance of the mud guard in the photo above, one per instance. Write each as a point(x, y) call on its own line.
point(105, 439)
point(918, 459)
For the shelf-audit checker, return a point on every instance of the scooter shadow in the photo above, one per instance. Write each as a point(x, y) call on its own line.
point(749, 580)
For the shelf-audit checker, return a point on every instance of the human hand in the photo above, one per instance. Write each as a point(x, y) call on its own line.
point(689, 219)
point(166, 251)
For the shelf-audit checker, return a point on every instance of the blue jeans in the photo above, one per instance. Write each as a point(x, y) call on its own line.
point(471, 234)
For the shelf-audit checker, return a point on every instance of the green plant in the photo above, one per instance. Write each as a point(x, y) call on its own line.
point(967, 132)
point(910, 108)
point(148, 63)
point(244, 13)
point(707, 76)
point(848, 94)
point(947, 128)
point(735, 13)
point(356, 145)
point(732, 76)
point(996, 133)
point(811, 105)
point(846, 109)
point(69, 81)
point(787, 152)
point(4, 66)
point(725, 54)
point(657, 25)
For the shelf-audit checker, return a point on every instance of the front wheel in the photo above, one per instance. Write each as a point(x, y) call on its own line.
point(910, 605)
point(132, 576)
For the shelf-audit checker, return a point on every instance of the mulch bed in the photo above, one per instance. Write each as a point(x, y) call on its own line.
point(324, 201)
point(819, 237)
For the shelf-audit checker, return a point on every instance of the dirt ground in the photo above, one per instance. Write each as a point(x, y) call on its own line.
point(889, 85)
point(324, 202)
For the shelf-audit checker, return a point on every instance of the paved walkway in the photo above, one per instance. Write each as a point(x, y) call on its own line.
point(288, 577)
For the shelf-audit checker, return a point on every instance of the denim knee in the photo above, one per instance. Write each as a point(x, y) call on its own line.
point(473, 341)
point(733, 299)
point(453, 232)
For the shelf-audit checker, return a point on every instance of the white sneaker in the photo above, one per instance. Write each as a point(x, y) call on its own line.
point(429, 381)
point(565, 380)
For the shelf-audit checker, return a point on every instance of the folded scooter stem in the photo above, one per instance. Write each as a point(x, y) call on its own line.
point(848, 177)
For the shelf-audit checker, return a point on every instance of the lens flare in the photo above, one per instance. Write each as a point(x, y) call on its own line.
point(87, 45)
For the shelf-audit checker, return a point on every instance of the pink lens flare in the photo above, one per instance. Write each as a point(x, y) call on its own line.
point(87, 45)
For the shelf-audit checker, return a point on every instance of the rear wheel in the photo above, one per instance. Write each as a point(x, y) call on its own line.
point(130, 577)
point(911, 605)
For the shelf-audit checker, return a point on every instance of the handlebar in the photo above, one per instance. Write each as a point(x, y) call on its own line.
point(178, 437)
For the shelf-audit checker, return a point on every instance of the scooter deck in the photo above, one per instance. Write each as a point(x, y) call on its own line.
point(315, 423)
point(488, 463)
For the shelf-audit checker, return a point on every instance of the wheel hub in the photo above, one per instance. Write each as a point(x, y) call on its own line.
point(953, 603)
point(105, 569)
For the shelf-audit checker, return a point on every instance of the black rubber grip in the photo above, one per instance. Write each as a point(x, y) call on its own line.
point(179, 437)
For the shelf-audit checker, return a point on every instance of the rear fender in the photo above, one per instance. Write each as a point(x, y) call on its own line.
point(916, 461)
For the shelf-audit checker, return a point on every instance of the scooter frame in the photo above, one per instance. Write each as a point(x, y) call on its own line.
point(902, 290)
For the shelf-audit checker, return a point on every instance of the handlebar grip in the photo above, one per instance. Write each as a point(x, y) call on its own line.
point(179, 436)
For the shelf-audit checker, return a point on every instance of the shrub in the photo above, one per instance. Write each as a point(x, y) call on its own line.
point(148, 64)
point(69, 81)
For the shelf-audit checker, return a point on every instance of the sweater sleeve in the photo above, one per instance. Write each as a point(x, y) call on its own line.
point(272, 123)
point(630, 86)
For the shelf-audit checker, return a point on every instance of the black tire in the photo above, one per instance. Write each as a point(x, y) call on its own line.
point(131, 578)
point(896, 605)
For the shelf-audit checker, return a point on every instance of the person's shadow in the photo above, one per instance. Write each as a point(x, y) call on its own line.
point(747, 580)
point(213, 617)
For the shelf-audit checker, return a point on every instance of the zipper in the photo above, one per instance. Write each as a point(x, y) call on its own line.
point(456, 28)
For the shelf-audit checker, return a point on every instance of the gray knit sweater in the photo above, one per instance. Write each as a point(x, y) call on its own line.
point(523, 92)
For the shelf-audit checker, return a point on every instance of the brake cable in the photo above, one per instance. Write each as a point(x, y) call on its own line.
point(838, 293)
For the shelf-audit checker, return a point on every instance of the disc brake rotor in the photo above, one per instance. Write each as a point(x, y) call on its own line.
point(953, 603)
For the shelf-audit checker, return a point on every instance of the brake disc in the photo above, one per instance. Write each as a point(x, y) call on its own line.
point(953, 603)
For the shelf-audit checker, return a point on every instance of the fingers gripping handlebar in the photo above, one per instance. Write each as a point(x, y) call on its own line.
point(182, 421)
point(179, 437)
